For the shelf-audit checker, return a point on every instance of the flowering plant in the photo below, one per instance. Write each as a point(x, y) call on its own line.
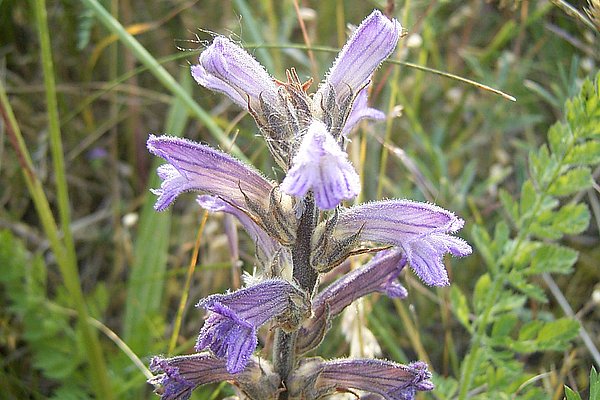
point(301, 229)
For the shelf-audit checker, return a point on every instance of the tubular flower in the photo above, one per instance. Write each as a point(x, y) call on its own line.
point(194, 166)
point(315, 378)
point(233, 319)
point(178, 376)
point(421, 230)
point(379, 275)
point(321, 165)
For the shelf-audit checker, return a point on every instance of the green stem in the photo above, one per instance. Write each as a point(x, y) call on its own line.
point(65, 262)
point(68, 260)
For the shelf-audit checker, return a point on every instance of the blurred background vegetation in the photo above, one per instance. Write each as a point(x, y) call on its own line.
point(444, 141)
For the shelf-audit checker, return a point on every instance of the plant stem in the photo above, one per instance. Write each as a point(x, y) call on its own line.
point(65, 249)
point(305, 275)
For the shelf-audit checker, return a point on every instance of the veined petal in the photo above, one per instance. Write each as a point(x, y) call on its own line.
point(211, 82)
point(361, 110)
point(230, 328)
point(269, 247)
point(180, 375)
point(322, 166)
point(370, 44)
point(193, 166)
point(315, 378)
point(419, 229)
point(378, 275)
point(228, 68)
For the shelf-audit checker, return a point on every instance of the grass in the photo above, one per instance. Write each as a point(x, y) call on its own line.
point(84, 83)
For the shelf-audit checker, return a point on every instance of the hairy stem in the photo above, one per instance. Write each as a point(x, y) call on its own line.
point(306, 277)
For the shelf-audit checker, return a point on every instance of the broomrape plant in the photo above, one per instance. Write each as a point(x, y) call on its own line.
point(300, 229)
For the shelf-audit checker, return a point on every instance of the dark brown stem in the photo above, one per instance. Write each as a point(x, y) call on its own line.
point(284, 356)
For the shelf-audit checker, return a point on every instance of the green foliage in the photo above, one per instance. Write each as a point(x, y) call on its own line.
point(56, 349)
point(541, 217)
point(594, 388)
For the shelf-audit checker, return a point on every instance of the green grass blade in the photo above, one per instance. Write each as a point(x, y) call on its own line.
point(254, 29)
point(67, 258)
point(163, 76)
point(145, 286)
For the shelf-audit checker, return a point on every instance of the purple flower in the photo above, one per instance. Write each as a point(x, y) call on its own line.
point(370, 44)
point(193, 166)
point(421, 230)
point(315, 378)
point(306, 134)
point(378, 275)
point(360, 111)
point(322, 166)
point(225, 67)
point(180, 375)
point(267, 248)
point(230, 328)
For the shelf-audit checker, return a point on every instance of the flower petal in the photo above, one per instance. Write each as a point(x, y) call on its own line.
point(378, 275)
point(182, 374)
point(419, 229)
point(267, 247)
point(322, 166)
point(194, 166)
point(230, 329)
point(315, 378)
point(361, 110)
point(370, 44)
point(228, 68)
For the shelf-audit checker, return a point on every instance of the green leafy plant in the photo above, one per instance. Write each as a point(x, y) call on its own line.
point(594, 388)
point(526, 247)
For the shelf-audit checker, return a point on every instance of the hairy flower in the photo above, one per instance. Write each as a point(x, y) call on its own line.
point(269, 251)
point(361, 111)
point(180, 375)
point(306, 134)
point(230, 327)
point(421, 230)
point(321, 165)
point(370, 44)
point(227, 68)
point(194, 166)
point(315, 378)
point(378, 275)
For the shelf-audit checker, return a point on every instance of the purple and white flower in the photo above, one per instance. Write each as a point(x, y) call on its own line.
point(378, 275)
point(194, 166)
point(315, 378)
point(227, 68)
point(268, 249)
point(322, 166)
point(178, 376)
point(233, 319)
point(305, 134)
point(421, 230)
